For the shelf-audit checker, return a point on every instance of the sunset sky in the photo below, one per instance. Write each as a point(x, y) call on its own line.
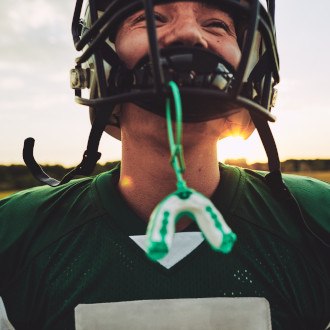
point(36, 55)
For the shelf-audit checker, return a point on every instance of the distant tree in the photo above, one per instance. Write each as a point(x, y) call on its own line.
point(259, 166)
point(241, 162)
point(18, 177)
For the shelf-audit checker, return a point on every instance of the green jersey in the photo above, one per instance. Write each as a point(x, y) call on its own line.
point(74, 244)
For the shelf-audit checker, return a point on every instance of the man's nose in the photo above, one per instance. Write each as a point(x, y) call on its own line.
point(185, 32)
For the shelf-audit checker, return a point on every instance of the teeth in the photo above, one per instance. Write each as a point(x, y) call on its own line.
point(220, 82)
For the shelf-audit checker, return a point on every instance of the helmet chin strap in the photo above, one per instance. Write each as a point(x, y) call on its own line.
point(274, 178)
point(86, 166)
point(275, 181)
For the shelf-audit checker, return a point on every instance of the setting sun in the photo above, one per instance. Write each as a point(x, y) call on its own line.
point(235, 147)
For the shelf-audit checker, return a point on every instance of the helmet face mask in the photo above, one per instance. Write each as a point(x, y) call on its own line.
point(226, 90)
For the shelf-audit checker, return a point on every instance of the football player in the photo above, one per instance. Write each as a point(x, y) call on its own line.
point(73, 255)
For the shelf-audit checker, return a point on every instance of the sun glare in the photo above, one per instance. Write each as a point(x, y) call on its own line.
point(127, 181)
point(235, 147)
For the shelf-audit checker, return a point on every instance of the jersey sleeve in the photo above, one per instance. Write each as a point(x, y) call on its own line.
point(32, 219)
point(313, 197)
point(17, 216)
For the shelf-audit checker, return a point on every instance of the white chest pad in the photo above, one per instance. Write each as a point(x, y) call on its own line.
point(183, 314)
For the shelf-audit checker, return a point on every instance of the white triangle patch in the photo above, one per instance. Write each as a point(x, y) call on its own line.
point(183, 244)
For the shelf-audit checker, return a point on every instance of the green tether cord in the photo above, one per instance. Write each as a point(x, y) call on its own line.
point(184, 201)
point(176, 149)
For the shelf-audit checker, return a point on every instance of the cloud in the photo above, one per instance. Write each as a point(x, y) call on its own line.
point(31, 26)
point(7, 67)
point(37, 52)
point(35, 14)
point(36, 47)
point(11, 83)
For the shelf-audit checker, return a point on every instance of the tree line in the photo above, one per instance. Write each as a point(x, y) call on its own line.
point(18, 177)
point(290, 165)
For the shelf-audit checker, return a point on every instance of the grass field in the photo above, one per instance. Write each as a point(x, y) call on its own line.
point(320, 175)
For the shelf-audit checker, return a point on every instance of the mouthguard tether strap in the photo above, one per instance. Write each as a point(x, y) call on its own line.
point(184, 201)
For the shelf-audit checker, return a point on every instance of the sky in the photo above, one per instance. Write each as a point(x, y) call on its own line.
point(37, 53)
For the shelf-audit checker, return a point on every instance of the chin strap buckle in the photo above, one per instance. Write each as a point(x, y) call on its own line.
point(80, 78)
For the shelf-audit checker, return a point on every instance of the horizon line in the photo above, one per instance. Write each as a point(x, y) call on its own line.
point(242, 159)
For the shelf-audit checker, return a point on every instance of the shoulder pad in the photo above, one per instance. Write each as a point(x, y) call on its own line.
point(313, 197)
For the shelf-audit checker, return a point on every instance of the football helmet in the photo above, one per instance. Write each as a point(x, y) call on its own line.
point(209, 86)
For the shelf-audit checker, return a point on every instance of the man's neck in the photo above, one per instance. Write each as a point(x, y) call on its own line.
point(147, 176)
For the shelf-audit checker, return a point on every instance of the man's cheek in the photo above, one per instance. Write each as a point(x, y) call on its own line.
point(131, 51)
